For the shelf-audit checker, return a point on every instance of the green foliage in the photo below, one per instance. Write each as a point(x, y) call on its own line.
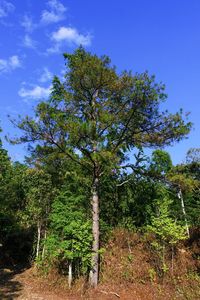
point(38, 195)
point(163, 226)
point(15, 238)
point(135, 202)
point(186, 177)
point(161, 162)
point(167, 231)
point(102, 114)
point(193, 156)
point(69, 237)
point(152, 274)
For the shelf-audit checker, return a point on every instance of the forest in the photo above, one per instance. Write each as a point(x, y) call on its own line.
point(87, 183)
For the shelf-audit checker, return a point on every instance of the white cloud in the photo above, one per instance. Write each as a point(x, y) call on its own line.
point(55, 13)
point(12, 63)
point(28, 24)
point(71, 35)
point(68, 35)
point(37, 92)
point(6, 8)
point(3, 65)
point(46, 75)
point(29, 42)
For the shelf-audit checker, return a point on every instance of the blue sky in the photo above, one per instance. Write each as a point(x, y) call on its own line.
point(162, 37)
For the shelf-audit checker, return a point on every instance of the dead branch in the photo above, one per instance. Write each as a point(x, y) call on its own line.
point(113, 293)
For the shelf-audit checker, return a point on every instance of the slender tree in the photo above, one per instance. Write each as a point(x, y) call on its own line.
point(96, 116)
point(39, 193)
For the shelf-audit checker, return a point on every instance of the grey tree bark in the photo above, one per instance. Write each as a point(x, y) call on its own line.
point(70, 274)
point(180, 196)
point(94, 273)
point(38, 238)
point(43, 249)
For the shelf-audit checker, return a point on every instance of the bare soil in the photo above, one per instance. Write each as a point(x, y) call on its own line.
point(23, 284)
point(19, 283)
point(129, 271)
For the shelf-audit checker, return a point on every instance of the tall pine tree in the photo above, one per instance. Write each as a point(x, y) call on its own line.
point(96, 116)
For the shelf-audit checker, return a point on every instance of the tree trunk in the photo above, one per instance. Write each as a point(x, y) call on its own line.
point(172, 259)
point(180, 195)
point(70, 274)
point(38, 238)
point(94, 273)
point(43, 250)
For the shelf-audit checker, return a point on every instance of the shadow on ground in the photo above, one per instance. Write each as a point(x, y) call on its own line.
point(9, 287)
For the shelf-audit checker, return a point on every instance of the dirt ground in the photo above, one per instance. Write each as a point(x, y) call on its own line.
point(128, 272)
point(20, 283)
point(23, 284)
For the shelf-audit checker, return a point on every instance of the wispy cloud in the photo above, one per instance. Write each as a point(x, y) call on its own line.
point(10, 64)
point(14, 62)
point(6, 8)
point(37, 92)
point(28, 23)
point(28, 42)
point(70, 36)
point(55, 13)
point(46, 75)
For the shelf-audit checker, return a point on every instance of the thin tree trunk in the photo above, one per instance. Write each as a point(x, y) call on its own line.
point(70, 274)
point(172, 259)
point(38, 238)
point(163, 258)
point(43, 250)
point(180, 195)
point(94, 273)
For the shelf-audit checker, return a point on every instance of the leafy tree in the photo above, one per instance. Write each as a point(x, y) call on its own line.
point(185, 180)
point(161, 163)
point(96, 116)
point(15, 237)
point(6, 219)
point(69, 239)
point(5, 171)
point(166, 229)
point(6, 216)
point(39, 194)
point(193, 156)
